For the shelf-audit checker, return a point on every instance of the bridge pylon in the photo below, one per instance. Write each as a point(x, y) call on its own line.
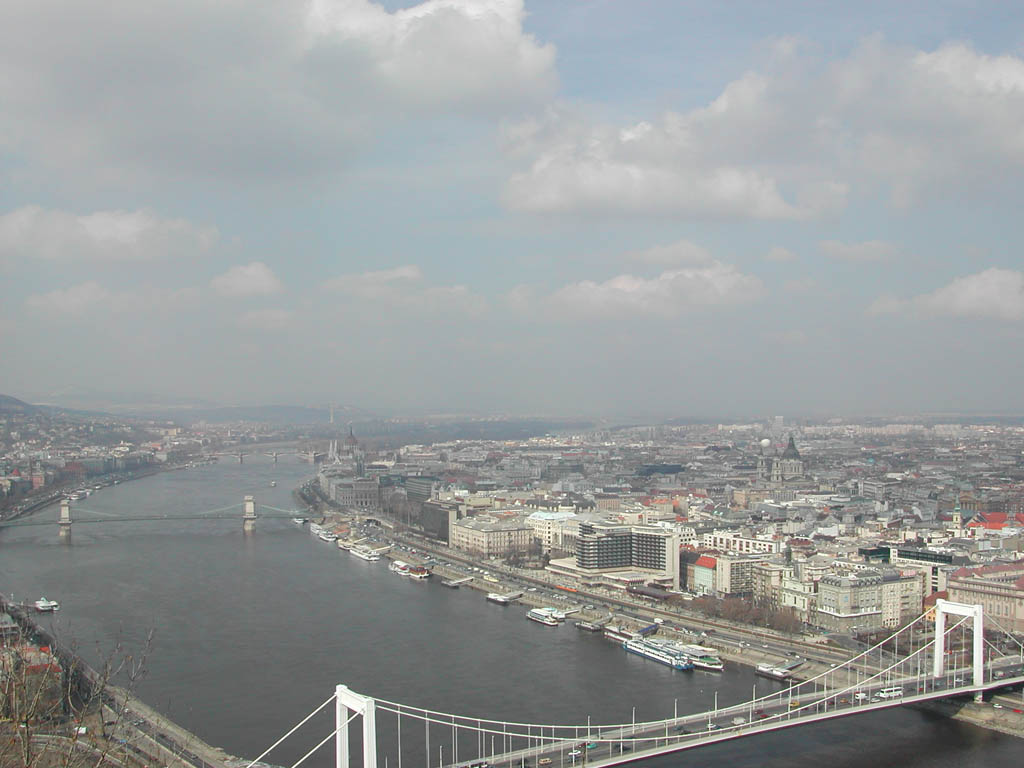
point(346, 701)
point(974, 612)
point(249, 514)
point(64, 519)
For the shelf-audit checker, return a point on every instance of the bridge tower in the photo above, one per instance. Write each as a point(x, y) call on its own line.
point(975, 612)
point(64, 519)
point(346, 701)
point(249, 514)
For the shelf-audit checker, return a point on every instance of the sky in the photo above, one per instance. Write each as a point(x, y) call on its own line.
point(575, 207)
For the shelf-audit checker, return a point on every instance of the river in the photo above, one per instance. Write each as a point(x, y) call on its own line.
point(252, 632)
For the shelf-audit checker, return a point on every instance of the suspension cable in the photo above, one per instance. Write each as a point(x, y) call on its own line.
point(293, 730)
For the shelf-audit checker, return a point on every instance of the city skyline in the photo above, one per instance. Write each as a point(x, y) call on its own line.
point(586, 208)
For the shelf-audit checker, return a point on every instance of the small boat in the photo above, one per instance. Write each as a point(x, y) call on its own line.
point(496, 597)
point(299, 520)
point(327, 536)
point(400, 567)
point(46, 606)
point(418, 572)
point(273, 483)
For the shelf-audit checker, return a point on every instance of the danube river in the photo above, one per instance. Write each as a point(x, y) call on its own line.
point(252, 632)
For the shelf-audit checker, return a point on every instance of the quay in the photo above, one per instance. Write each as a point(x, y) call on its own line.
point(121, 730)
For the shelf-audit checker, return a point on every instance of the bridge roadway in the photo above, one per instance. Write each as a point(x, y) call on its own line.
point(627, 743)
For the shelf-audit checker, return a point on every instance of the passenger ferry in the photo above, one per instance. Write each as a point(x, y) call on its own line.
point(703, 657)
point(399, 567)
point(327, 536)
point(660, 653)
point(618, 634)
point(497, 597)
point(542, 616)
point(364, 553)
point(419, 572)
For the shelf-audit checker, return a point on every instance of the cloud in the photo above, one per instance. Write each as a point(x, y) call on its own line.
point(91, 298)
point(230, 91)
point(872, 250)
point(994, 294)
point(265, 319)
point(33, 232)
point(780, 254)
point(673, 292)
point(253, 279)
point(799, 286)
point(404, 287)
point(674, 254)
point(788, 140)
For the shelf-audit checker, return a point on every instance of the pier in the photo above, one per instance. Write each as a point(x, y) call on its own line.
point(456, 583)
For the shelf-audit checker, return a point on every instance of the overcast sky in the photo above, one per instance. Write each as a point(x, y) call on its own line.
point(574, 206)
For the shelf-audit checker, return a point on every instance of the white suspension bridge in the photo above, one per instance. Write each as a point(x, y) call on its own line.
point(952, 650)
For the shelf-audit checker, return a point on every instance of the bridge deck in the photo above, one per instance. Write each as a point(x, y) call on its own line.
point(623, 744)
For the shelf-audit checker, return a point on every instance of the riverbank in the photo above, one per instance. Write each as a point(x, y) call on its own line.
point(117, 723)
point(54, 496)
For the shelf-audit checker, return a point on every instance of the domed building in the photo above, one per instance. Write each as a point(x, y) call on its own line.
point(778, 469)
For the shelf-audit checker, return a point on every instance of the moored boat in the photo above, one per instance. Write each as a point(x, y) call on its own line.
point(775, 673)
point(542, 616)
point(364, 553)
point(661, 653)
point(703, 657)
point(618, 634)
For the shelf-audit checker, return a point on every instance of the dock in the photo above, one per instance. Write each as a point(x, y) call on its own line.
point(456, 583)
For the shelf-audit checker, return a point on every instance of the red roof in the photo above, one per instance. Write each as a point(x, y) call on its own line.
point(706, 562)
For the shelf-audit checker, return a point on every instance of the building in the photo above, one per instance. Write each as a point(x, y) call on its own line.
point(705, 572)
point(605, 546)
point(778, 469)
point(552, 531)
point(868, 600)
point(734, 574)
point(937, 564)
point(998, 588)
point(358, 493)
point(730, 541)
point(491, 536)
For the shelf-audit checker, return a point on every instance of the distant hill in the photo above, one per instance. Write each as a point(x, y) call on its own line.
point(265, 414)
point(10, 404)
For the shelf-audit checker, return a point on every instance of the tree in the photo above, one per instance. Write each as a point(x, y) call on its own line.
point(59, 712)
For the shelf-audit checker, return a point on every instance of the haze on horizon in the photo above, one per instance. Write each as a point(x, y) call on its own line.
point(580, 207)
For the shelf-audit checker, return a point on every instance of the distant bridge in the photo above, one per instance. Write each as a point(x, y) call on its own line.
point(959, 660)
point(245, 511)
